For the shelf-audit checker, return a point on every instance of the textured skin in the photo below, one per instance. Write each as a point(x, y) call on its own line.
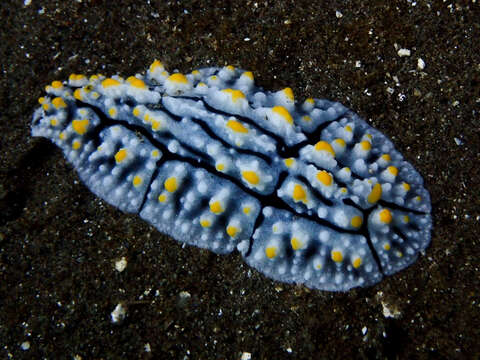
point(307, 192)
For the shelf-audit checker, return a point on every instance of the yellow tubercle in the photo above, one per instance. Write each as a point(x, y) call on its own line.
point(357, 262)
point(57, 84)
point(136, 82)
point(325, 178)
point(136, 111)
point(385, 216)
point(386, 157)
point(58, 102)
point(348, 128)
point(406, 186)
point(340, 142)
point(112, 112)
point(216, 207)
point(162, 198)
point(248, 74)
point(237, 126)
point(310, 101)
point(324, 146)
point(53, 122)
point(283, 112)
point(178, 78)
point(387, 246)
point(251, 177)
point(296, 243)
point(76, 77)
point(171, 184)
point(393, 170)
point(77, 94)
point(299, 193)
point(121, 155)
point(80, 126)
point(288, 93)
point(271, 252)
point(220, 167)
point(232, 231)
point(205, 223)
point(306, 118)
point(366, 145)
point(235, 94)
point(137, 181)
point(76, 145)
point(375, 194)
point(147, 118)
point(62, 135)
point(289, 162)
point(337, 256)
point(156, 125)
point(246, 210)
point(156, 65)
point(406, 219)
point(110, 82)
point(356, 221)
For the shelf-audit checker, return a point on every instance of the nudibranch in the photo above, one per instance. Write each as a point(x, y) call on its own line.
point(307, 192)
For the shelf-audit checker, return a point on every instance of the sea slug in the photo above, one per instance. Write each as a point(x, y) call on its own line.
point(307, 191)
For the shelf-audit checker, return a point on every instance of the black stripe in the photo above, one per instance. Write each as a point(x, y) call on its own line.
point(197, 159)
point(271, 199)
point(211, 133)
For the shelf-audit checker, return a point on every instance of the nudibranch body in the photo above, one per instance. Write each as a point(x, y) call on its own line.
point(307, 191)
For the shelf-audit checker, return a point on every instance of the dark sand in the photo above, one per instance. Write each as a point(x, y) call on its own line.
point(59, 243)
